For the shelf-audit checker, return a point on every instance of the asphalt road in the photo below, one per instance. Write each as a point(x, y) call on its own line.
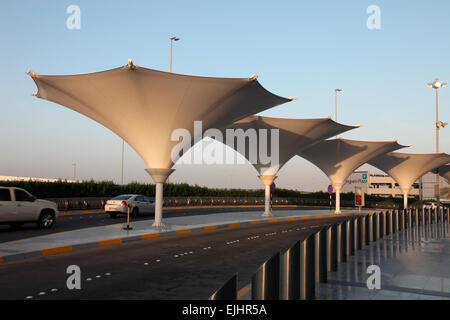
point(80, 221)
point(190, 266)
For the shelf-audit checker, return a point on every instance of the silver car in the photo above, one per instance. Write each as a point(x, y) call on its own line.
point(137, 204)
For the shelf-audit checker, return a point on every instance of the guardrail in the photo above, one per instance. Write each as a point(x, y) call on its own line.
point(293, 274)
point(99, 202)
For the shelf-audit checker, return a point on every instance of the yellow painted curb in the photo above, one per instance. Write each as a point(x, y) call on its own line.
point(289, 219)
point(255, 222)
point(87, 211)
point(109, 242)
point(184, 231)
point(304, 218)
point(210, 228)
point(150, 236)
point(272, 220)
point(56, 250)
point(345, 214)
point(332, 215)
point(243, 291)
point(232, 225)
point(319, 216)
point(1, 260)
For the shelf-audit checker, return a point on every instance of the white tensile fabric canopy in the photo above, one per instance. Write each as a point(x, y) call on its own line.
point(294, 136)
point(338, 158)
point(145, 106)
point(444, 171)
point(406, 168)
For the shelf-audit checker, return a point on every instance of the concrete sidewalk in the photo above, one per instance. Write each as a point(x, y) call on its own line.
point(414, 265)
point(114, 234)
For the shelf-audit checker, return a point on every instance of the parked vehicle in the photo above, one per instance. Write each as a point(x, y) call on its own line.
point(429, 205)
point(18, 206)
point(138, 204)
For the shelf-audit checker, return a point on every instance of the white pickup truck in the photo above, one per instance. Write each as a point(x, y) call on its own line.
point(18, 207)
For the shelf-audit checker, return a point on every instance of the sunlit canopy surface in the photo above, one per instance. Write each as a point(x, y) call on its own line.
point(338, 158)
point(406, 168)
point(295, 135)
point(144, 106)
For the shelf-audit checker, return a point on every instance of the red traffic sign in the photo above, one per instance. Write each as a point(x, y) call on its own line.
point(272, 187)
point(330, 189)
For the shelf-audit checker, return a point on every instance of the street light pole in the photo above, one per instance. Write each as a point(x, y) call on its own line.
point(436, 84)
point(172, 39)
point(74, 171)
point(336, 105)
point(171, 46)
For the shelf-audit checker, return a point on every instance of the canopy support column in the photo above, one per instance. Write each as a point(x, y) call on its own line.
point(338, 187)
point(159, 176)
point(405, 197)
point(267, 180)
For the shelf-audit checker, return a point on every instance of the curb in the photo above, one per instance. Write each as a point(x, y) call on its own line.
point(92, 211)
point(114, 241)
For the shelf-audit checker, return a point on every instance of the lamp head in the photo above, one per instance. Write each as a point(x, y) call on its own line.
point(436, 84)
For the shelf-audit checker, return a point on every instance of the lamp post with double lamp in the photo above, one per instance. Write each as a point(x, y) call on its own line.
point(436, 84)
point(336, 104)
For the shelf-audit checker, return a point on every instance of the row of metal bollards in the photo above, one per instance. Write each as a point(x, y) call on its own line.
point(292, 275)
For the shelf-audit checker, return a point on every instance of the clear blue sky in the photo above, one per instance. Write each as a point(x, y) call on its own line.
point(300, 48)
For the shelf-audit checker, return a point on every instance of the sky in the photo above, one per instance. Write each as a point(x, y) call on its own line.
point(298, 48)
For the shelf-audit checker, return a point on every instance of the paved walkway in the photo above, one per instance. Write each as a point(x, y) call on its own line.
point(112, 234)
point(414, 264)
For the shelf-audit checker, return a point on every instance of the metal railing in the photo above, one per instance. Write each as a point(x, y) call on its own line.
point(292, 275)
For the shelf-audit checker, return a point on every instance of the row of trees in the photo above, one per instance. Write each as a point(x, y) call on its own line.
point(64, 189)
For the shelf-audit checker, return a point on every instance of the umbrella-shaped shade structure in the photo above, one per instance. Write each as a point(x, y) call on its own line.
point(444, 171)
point(145, 106)
point(406, 168)
point(338, 158)
point(294, 135)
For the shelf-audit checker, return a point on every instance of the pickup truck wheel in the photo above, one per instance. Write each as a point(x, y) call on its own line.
point(16, 225)
point(46, 220)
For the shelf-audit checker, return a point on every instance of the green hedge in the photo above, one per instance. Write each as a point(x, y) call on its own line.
point(64, 189)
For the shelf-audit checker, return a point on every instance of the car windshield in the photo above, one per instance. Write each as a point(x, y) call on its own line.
point(121, 198)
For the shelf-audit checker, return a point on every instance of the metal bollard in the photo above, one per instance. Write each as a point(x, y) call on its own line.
point(290, 273)
point(320, 240)
point(424, 217)
point(342, 242)
point(228, 291)
point(395, 221)
point(410, 220)
point(403, 221)
point(356, 243)
point(436, 214)
point(369, 229)
point(266, 281)
point(332, 248)
point(359, 233)
point(307, 285)
point(350, 226)
point(429, 217)
point(389, 222)
point(376, 226)
point(382, 224)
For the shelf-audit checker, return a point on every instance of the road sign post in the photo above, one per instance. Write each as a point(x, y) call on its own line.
point(330, 192)
point(272, 189)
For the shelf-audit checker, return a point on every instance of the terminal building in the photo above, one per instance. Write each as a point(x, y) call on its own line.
point(383, 185)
